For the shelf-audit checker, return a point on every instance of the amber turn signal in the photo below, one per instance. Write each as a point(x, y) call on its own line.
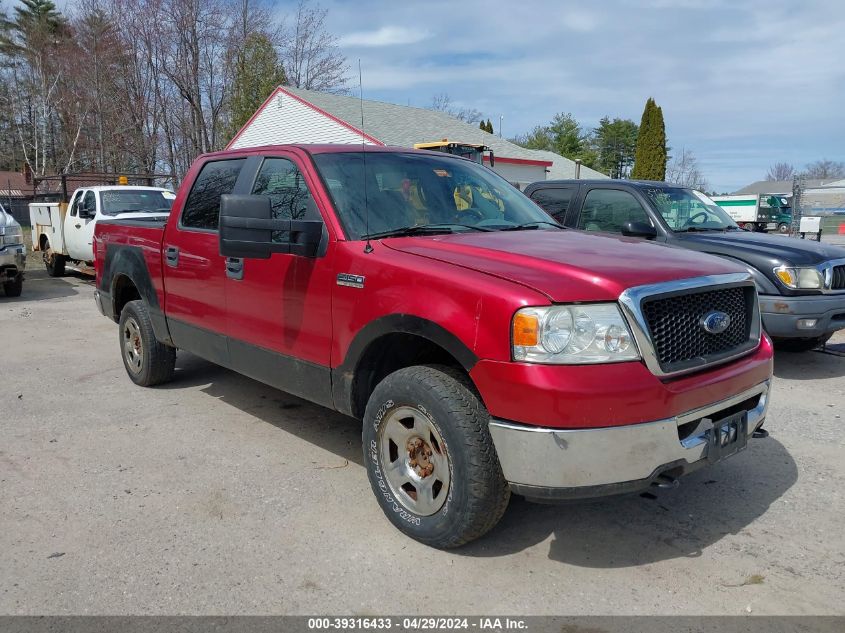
point(526, 329)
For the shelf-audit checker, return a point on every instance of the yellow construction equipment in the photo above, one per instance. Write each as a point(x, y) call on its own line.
point(473, 151)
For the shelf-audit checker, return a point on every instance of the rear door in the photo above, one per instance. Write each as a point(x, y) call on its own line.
point(194, 271)
point(279, 309)
point(555, 200)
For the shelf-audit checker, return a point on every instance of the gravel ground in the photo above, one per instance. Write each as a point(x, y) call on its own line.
point(219, 495)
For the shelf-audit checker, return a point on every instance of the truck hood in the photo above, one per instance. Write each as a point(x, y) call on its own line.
point(138, 216)
point(760, 249)
point(565, 265)
point(7, 219)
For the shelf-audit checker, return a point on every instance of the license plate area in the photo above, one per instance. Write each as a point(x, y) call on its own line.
point(727, 437)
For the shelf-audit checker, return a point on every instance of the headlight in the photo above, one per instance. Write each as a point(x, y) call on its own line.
point(800, 278)
point(572, 334)
point(11, 235)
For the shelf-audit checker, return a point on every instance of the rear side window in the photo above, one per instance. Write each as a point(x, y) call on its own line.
point(202, 208)
point(555, 201)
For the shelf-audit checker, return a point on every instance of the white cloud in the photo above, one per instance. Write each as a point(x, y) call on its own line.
point(384, 36)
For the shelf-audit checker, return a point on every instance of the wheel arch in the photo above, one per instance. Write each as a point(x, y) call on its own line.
point(389, 344)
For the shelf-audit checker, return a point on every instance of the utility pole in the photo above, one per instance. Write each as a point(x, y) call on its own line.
point(501, 116)
point(797, 190)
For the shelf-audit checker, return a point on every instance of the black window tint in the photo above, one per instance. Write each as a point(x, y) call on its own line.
point(609, 209)
point(202, 208)
point(283, 183)
point(90, 202)
point(555, 201)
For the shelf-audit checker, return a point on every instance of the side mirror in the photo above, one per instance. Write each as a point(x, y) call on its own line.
point(492, 159)
point(639, 229)
point(248, 229)
point(86, 214)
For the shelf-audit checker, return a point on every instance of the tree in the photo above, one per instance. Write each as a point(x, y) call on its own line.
point(443, 103)
point(310, 55)
point(825, 169)
point(780, 171)
point(258, 72)
point(650, 155)
point(614, 143)
point(490, 126)
point(563, 135)
point(683, 170)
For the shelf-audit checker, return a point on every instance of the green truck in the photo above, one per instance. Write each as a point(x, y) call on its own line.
point(758, 212)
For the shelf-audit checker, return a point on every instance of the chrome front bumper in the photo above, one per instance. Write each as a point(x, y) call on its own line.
point(608, 460)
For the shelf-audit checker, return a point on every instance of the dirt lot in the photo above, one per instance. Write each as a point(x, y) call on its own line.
point(219, 495)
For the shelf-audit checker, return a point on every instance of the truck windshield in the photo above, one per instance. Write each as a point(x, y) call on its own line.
point(117, 201)
point(404, 190)
point(686, 210)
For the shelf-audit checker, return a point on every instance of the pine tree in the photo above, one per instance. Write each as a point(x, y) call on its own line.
point(650, 156)
point(489, 126)
point(259, 72)
point(482, 125)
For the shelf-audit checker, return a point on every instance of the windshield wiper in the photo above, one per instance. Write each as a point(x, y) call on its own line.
point(693, 229)
point(423, 229)
point(530, 225)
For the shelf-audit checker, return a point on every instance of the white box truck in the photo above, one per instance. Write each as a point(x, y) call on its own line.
point(758, 212)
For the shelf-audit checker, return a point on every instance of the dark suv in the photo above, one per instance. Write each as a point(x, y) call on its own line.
point(801, 283)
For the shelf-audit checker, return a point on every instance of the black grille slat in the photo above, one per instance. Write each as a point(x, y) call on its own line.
point(680, 341)
point(838, 281)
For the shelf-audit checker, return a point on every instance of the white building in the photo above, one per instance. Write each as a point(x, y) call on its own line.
point(292, 115)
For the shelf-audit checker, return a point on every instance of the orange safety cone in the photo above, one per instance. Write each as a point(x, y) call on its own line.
point(842, 228)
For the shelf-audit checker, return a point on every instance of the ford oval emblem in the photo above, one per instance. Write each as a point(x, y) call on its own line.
point(715, 322)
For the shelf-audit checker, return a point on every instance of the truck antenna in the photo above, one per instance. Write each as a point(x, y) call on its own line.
point(368, 248)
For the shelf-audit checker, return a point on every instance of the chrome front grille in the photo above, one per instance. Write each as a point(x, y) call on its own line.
point(837, 278)
point(670, 321)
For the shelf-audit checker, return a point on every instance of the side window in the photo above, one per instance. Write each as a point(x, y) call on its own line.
point(281, 180)
point(202, 208)
point(554, 200)
point(608, 210)
point(75, 202)
point(89, 203)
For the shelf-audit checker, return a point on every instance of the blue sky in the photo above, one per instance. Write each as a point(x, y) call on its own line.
point(743, 84)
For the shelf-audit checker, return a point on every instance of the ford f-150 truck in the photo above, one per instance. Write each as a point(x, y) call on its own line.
point(801, 283)
point(486, 349)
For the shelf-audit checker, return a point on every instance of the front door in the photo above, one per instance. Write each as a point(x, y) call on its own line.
point(279, 309)
point(79, 226)
point(194, 270)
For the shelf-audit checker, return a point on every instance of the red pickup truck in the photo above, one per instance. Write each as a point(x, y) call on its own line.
point(486, 349)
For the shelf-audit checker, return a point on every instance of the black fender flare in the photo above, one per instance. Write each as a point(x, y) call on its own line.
point(128, 261)
point(343, 375)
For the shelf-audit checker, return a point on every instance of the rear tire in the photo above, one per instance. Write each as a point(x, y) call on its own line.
point(55, 264)
point(430, 458)
point(797, 345)
point(15, 287)
point(147, 361)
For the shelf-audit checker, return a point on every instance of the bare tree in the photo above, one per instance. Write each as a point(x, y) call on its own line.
point(825, 169)
point(310, 55)
point(443, 103)
point(780, 171)
point(683, 170)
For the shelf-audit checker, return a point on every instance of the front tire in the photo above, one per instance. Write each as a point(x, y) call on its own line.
point(147, 361)
point(798, 345)
point(783, 228)
point(430, 458)
point(15, 287)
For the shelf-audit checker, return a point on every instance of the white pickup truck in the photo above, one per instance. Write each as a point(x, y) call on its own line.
point(64, 231)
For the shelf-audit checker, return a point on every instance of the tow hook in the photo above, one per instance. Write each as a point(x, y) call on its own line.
point(760, 433)
point(666, 481)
